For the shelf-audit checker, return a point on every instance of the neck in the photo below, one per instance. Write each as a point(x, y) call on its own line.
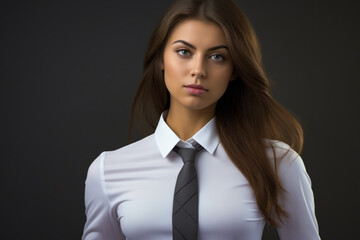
point(186, 122)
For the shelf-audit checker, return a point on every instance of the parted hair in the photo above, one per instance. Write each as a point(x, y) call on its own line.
point(245, 115)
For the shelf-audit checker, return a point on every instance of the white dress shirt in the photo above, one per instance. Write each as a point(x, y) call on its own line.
point(129, 191)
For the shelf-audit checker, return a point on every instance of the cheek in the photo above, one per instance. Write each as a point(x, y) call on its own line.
point(174, 72)
point(222, 76)
point(172, 65)
point(221, 79)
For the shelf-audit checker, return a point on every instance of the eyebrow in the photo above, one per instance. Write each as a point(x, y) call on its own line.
point(192, 46)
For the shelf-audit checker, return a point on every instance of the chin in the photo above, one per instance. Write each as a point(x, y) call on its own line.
point(197, 105)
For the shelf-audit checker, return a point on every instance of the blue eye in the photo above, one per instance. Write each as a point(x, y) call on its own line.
point(183, 52)
point(217, 57)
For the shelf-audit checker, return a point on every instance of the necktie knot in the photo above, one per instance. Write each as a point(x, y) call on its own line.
point(187, 154)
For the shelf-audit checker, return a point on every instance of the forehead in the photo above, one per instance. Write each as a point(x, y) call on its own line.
point(200, 33)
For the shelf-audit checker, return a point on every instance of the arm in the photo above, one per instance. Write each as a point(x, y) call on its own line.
point(101, 221)
point(297, 201)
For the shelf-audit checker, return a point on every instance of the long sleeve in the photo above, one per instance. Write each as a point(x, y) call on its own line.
point(297, 201)
point(101, 221)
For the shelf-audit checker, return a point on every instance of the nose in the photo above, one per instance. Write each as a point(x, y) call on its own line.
point(198, 70)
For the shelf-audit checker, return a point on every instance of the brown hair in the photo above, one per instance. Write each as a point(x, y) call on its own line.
point(245, 115)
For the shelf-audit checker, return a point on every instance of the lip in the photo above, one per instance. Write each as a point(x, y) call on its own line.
point(195, 89)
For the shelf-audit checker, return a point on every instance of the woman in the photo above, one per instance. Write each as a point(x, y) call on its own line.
point(204, 79)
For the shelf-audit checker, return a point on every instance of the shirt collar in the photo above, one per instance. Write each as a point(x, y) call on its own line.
point(166, 139)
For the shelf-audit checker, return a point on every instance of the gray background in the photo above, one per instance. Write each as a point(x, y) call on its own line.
point(69, 72)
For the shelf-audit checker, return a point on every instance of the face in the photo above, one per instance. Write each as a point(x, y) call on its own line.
point(197, 66)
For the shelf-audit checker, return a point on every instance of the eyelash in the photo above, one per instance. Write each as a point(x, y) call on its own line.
point(188, 54)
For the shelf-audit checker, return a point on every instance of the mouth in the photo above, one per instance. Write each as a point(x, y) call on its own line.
point(195, 89)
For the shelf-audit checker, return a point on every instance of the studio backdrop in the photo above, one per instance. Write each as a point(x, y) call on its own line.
point(69, 72)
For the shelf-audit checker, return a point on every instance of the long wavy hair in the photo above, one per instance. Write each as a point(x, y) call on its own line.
point(245, 115)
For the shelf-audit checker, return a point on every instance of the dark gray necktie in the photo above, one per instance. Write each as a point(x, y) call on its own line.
point(186, 197)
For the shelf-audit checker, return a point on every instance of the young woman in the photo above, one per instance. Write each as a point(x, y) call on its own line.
point(203, 78)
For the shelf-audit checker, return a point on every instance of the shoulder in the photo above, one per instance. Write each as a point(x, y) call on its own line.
point(110, 161)
point(280, 152)
point(290, 169)
point(144, 143)
point(287, 161)
point(139, 150)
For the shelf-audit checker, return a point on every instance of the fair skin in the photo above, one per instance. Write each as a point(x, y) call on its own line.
point(197, 70)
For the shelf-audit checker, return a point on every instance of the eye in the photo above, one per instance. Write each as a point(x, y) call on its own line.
point(183, 52)
point(217, 57)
